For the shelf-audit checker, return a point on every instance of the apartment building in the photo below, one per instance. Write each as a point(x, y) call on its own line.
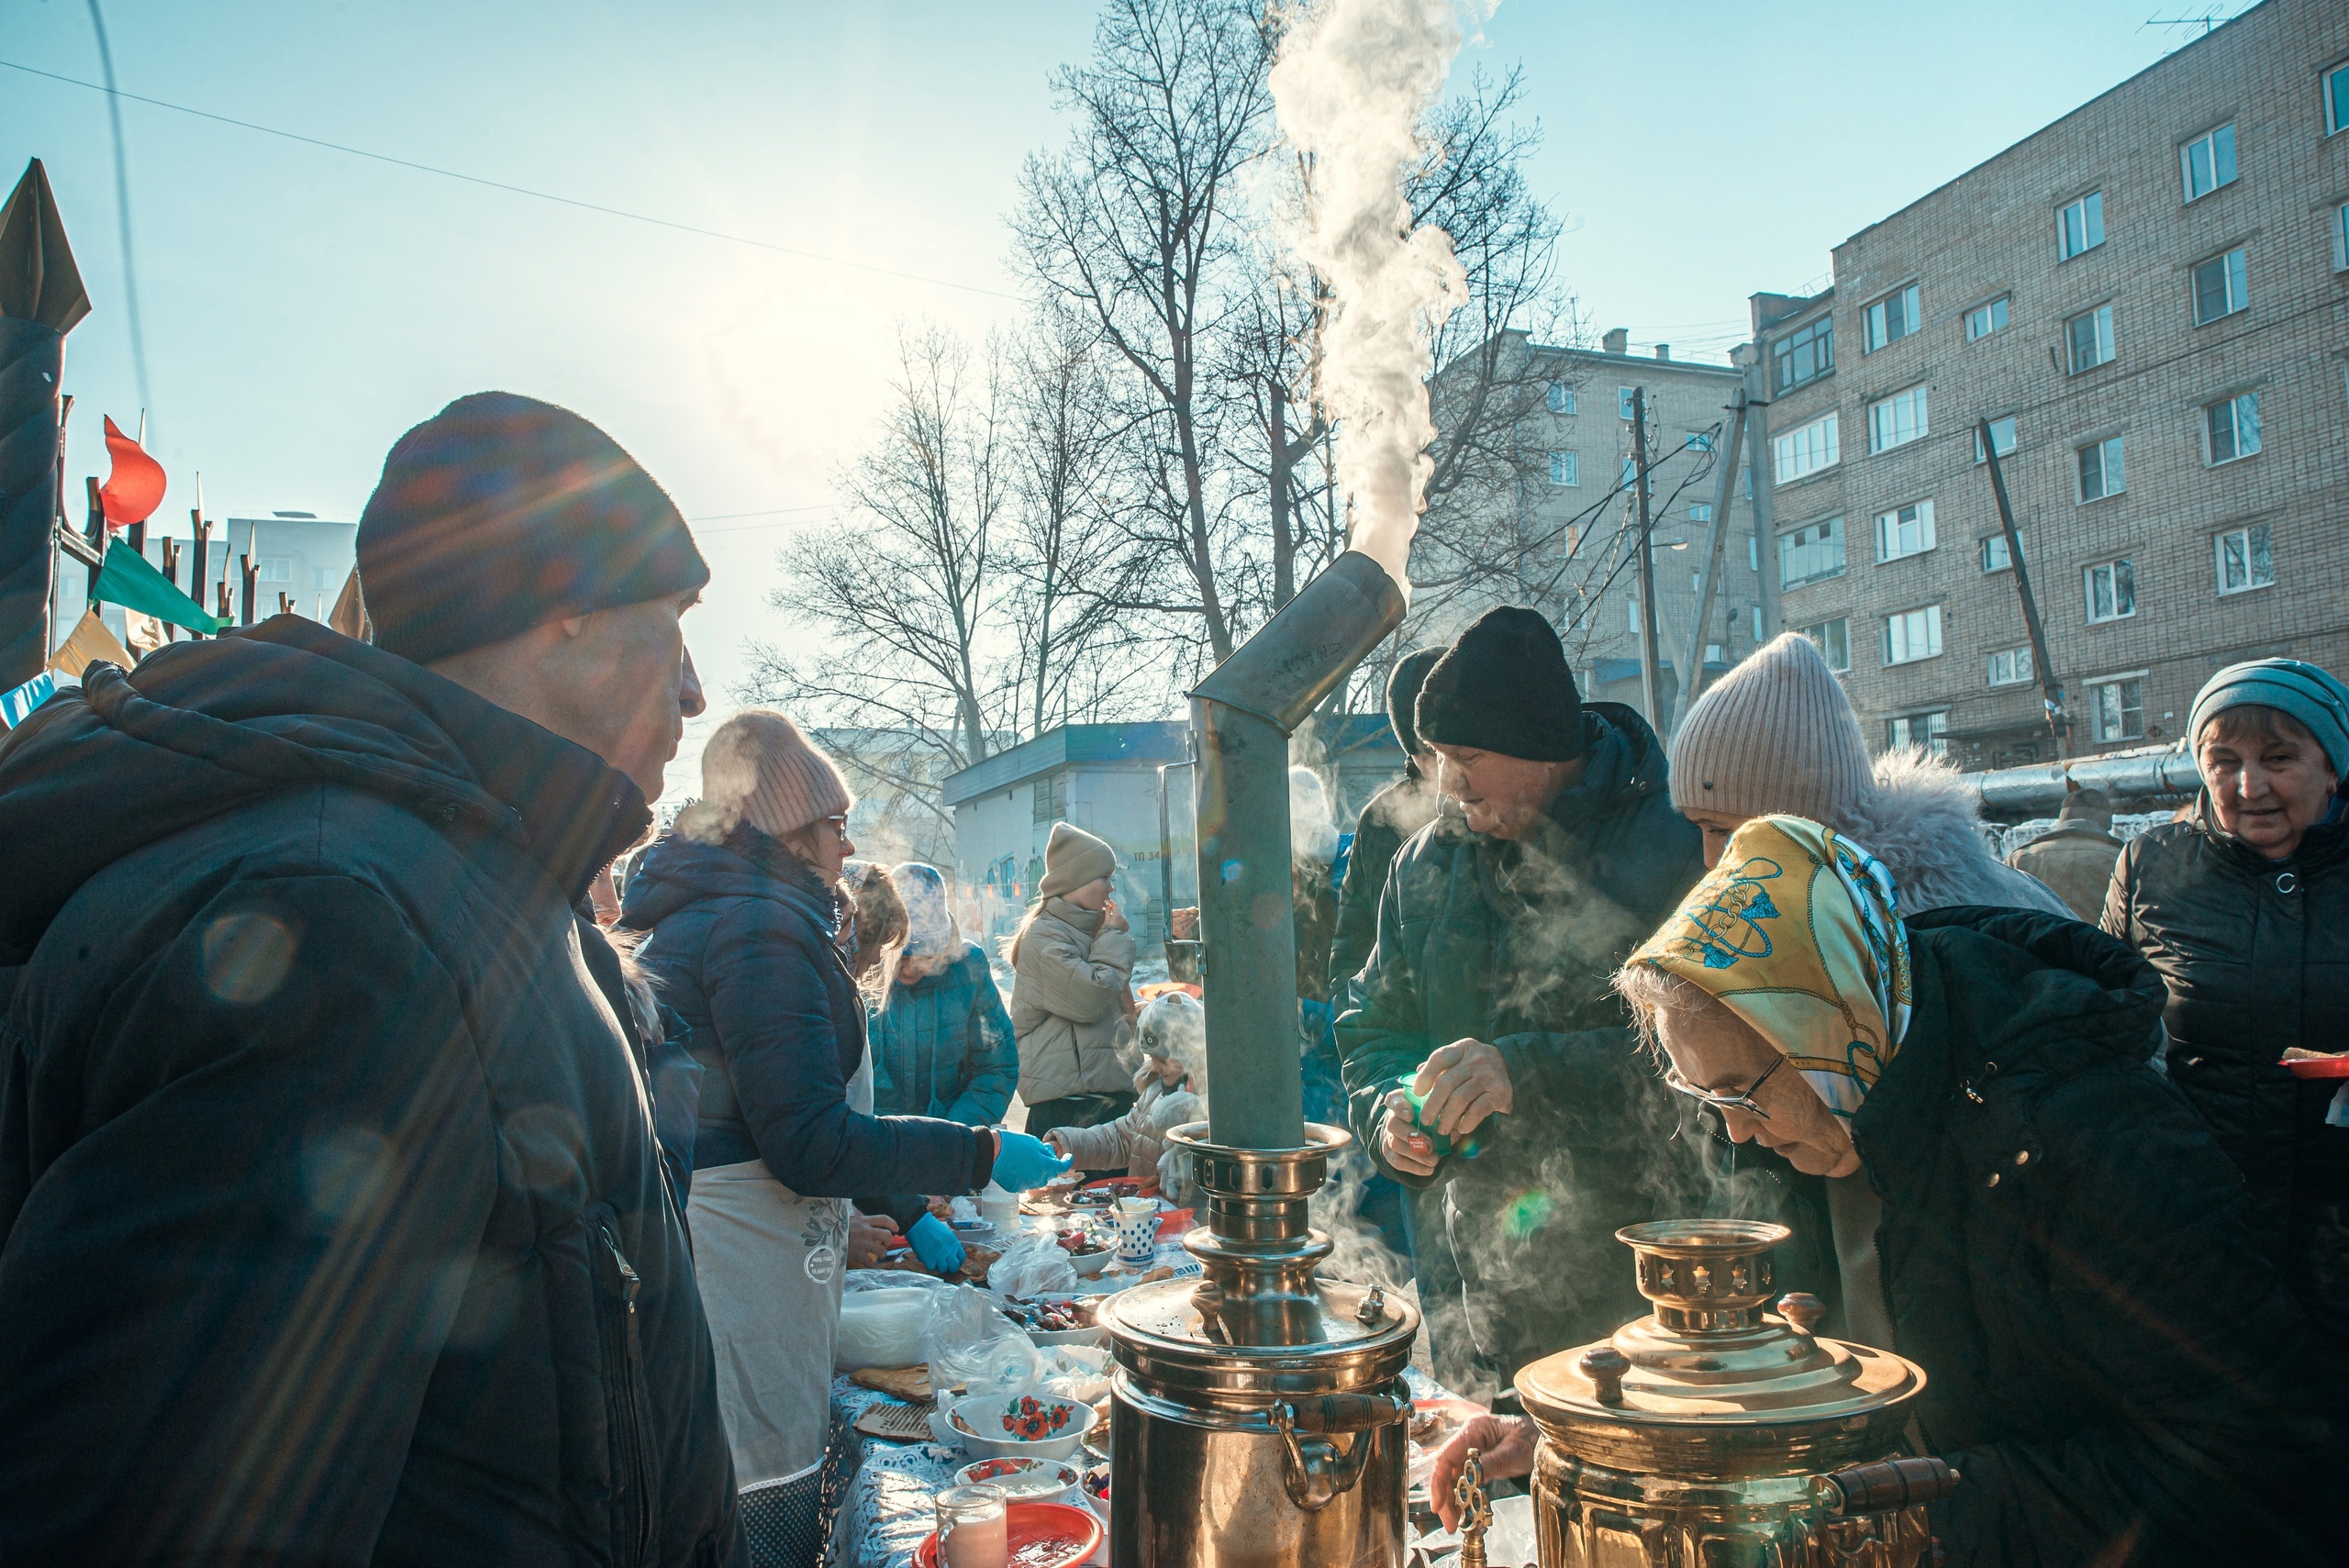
point(2148, 301)
point(1568, 542)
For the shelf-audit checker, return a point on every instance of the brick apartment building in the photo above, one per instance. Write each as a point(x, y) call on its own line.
point(2150, 299)
point(1578, 563)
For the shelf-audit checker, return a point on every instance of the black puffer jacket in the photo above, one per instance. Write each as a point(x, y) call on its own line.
point(1512, 943)
point(742, 944)
point(2256, 955)
point(1388, 818)
point(2111, 1358)
point(336, 1229)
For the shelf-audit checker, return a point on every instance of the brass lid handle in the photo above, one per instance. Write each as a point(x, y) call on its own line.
point(1802, 1309)
point(1605, 1366)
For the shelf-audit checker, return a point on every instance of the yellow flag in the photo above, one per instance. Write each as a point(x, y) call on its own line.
point(89, 641)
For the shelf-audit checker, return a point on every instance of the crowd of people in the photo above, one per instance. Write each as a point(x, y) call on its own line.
point(382, 1180)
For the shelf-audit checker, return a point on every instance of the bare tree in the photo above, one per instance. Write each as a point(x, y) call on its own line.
point(1137, 226)
point(904, 591)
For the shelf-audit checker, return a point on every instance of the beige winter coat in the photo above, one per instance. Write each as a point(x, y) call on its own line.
point(1068, 996)
point(1138, 1138)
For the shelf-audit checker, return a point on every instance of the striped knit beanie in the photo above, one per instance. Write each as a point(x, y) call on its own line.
point(758, 768)
point(1774, 737)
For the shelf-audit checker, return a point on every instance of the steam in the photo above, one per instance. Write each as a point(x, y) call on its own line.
point(1352, 80)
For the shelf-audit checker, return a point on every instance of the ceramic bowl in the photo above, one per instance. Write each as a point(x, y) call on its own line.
point(1031, 1424)
point(1090, 1267)
point(1024, 1480)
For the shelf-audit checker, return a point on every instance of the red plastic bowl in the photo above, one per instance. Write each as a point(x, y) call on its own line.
point(1036, 1535)
point(2317, 1066)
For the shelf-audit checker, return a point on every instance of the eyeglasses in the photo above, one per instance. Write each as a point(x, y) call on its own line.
point(1741, 1100)
point(839, 825)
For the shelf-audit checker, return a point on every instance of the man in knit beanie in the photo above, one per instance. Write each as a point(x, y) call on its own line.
point(320, 1020)
point(1777, 737)
point(1483, 999)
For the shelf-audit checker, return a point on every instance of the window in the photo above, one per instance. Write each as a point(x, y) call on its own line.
point(1924, 730)
point(1623, 401)
point(2090, 335)
point(2011, 667)
point(2336, 99)
point(1631, 473)
point(2002, 437)
point(1712, 654)
point(1753, 554)
point(1912, 635)
point(2219, 288)
point(1561, 398)
point(1888, 320)
point(2208, 161)
point(1633, 606)
point(1803, 355)
point(2340, 240)
point(2117, 708)
point(2111, 589)
point(1995, 555)
point(2101, 473)
point(1803, 450)
point(1699, 442)
point(2234, 427)
point(1812, 553)
point(1834, 637)
point(275, 569)
point(1565, 469)
point(1757, 614)
point(1984, 319)
point(1701, 511)
point(2244, 561)
point(2080, 226)
point(1049, 801)
point(1908, 530)
point(1896, 421)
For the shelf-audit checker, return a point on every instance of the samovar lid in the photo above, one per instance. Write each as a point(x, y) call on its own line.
point(1710, 1356)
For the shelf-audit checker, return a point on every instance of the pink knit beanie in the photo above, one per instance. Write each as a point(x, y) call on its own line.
point(1776, 736)
point(760, 768)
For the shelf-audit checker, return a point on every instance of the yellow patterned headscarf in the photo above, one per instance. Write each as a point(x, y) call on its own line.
point(1797, 931)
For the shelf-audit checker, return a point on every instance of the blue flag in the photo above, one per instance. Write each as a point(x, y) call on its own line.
point(18, 706)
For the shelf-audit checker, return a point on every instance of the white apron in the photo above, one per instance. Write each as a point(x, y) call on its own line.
point(770, 1263)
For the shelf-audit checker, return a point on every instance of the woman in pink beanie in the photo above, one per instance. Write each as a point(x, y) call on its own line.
point(1777, 737)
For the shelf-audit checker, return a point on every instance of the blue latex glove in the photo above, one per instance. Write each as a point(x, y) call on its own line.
point(1023, 1163)
point(936, 1245)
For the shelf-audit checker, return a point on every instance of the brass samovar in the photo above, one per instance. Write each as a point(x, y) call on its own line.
point(1713, 1432)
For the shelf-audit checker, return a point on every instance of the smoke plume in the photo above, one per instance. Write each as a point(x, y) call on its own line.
point(1352, 80)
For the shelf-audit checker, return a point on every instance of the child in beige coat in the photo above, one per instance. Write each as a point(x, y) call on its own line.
point(1170, 1089)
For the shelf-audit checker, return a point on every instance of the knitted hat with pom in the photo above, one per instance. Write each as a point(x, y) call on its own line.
point(1774, 737)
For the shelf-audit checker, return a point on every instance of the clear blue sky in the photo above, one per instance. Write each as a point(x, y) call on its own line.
point(302, 306)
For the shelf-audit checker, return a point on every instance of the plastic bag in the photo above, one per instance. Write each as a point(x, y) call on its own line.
point(1075, 1371)
point(881, 1327)
point(1032, 1264)
point(969, 1343)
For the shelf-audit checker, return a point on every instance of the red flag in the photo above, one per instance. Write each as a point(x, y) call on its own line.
point(135, 488)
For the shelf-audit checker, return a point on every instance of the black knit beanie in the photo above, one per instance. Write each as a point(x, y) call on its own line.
point(1504, 686)
point(502, 512)
point(1403, 696)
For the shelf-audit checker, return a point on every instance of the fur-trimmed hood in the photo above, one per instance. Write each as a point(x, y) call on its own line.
point(1921, 822)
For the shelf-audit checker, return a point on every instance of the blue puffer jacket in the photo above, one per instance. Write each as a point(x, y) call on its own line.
point(943, 1046)
point(741, 944)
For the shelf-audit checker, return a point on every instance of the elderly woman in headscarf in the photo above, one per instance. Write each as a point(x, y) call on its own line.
point(2021, 1203)
point(941, 1040)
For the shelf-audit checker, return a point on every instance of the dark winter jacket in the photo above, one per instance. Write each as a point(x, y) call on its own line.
point(336, 1229)
point(943, 1046)
point(741, 943)
point(2255, 956)
point(2063, 1250)
point(1512, 944)
point(1389, 818)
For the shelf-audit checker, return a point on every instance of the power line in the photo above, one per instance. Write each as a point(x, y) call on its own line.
point(511, 189)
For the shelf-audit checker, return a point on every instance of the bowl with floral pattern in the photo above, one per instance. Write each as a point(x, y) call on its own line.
point(1030, 1424)
point(1024, 1480)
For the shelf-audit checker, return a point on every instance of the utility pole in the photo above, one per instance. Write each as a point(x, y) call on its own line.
point(2050, 694)
point(1692, 678)
point(1650, 679)
point(1765, 532)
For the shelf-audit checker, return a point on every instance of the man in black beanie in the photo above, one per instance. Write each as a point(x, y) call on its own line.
point(1554, 853)
point(336, 1229)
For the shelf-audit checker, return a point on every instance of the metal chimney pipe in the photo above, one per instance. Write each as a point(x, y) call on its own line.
point(1241, 717)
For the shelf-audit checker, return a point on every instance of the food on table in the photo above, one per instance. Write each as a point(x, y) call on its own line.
point(1051, 1315)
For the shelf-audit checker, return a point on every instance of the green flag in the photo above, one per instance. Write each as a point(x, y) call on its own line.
point(129, 579)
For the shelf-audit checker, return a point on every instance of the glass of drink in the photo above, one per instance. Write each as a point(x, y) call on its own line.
point(971, 1527)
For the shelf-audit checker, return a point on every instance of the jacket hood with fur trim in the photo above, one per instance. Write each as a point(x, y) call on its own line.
point(1923, 824)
